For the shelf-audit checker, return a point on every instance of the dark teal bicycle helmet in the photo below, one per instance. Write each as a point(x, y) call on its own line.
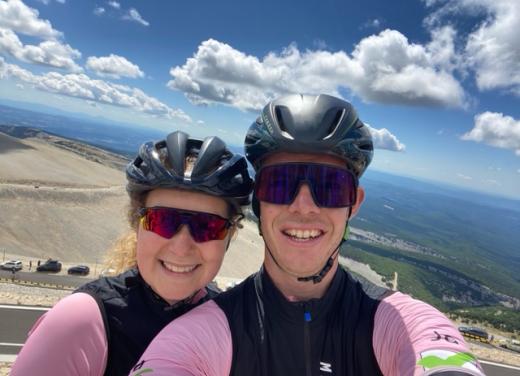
point(310, 124)
point(216, 170)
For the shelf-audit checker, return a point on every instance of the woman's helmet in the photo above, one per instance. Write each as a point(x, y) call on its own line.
point(216, 170)
point(319, 124)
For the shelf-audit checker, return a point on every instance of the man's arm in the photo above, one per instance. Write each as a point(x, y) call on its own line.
point(70, 339)
point(196, 344)
point(413, 338)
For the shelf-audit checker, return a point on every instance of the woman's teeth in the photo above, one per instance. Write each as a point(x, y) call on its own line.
point(303, 234)
point(178, 269)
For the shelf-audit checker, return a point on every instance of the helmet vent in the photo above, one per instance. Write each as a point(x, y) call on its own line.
point(279, 119)
point(281, 113)
point(338, 117)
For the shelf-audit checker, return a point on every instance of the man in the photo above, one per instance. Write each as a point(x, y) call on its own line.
point(302, 314)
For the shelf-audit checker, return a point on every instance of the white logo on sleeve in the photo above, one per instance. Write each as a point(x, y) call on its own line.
point(325, 367)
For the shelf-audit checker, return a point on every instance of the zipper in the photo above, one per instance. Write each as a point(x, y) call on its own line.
point(307, 318)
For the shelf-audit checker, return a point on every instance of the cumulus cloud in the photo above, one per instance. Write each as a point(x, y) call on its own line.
point(113, 66)
point(384, 68)
point(383, 139)
point(114, 4)
point(84, 87)
point(50, 52)
point(98, 11)
point(497, 130)
point(492, 50)
point(18, 17)
point(133, 15)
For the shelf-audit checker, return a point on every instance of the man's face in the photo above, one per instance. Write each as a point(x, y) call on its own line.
point(302, 236)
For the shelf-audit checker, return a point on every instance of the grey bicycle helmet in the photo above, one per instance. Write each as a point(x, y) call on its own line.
point(216, 170)
point(310, 124)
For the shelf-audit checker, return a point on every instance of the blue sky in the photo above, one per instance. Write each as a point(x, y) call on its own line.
point(438, 81)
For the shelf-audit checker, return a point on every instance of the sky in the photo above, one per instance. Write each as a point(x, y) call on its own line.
point(437, 81)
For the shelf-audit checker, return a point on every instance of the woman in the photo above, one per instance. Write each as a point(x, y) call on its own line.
point(185, 199)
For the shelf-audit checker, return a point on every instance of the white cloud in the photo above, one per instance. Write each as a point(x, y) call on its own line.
point(47, 2)
point(133, 15)
point(84, 87)
point(465, 177)
point(383, 68)
point(113, 66)
point(200, 122)
point(374, 24)
point(497, 130)
point(114, 4)
point(383, 139)
point(98, 11)
point(492, 182)
point(492, 50)
point(50, 52)
point(18, 17)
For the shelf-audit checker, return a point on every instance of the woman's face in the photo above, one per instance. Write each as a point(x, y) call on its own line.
point(176, 268)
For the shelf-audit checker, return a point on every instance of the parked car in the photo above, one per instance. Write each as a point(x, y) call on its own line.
point(79, 270)
point(50, 266)
point(12, 264)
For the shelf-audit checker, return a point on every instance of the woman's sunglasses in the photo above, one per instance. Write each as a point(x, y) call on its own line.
point(166, 222)
point(330, 186)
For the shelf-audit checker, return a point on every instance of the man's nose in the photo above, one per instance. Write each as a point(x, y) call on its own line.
point(304, 202)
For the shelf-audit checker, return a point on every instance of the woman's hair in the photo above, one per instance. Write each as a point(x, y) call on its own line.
point(122, 255)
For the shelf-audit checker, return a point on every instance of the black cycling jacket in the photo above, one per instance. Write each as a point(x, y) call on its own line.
point(272, 336)
point(133, 315)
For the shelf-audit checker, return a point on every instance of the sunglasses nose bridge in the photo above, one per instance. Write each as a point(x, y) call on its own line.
point(304, 198)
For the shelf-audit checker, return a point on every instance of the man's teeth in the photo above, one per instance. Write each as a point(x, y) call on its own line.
point(177, 268)
point(303, 234)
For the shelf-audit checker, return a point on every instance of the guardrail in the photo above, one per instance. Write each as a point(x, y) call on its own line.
point(46, 285)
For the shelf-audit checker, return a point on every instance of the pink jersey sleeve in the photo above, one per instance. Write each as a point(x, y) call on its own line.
point(196, 344)
point(413, 338)
point(67, 340)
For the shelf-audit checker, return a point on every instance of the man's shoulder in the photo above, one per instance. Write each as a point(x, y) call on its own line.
point(236, 293)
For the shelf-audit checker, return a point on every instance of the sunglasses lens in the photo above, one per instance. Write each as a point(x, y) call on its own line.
point(331, 186)
point(276, 184)
point(162, 221)
point(205, 227)
point(166, 222)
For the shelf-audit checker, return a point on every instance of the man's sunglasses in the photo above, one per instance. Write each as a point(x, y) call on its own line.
point(330, 186)
point(166, 222)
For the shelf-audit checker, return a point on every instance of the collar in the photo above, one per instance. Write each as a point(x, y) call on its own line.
point(134, 279)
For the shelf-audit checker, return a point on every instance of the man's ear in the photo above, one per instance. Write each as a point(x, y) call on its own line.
point(360, 197)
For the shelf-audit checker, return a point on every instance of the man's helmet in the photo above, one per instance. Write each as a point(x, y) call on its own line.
point(216, 170)
point(319, 124)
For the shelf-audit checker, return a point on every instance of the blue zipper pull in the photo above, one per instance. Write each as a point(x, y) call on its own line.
point(307, 316)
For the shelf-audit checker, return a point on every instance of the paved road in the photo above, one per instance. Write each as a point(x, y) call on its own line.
point(16, 321)
point(493, 369)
